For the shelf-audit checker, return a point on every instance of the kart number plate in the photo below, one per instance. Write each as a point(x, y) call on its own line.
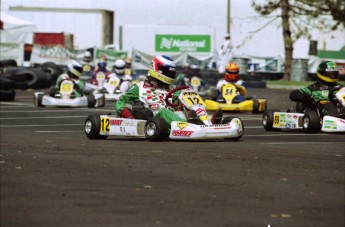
point(191, 98)
point(195, 82)
point(113, 83)
point(105, 124)
point(66, 88)
point(86, 68)
point(100, 76)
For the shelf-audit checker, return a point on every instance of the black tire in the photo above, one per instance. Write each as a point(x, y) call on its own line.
point(7, 95)
point(5, 83)
point(8, 62)
point(255, 106)
point(38, 100)
point(144, 114)
point(267, 120)
point(227, 120)
point(92, 127)
point(156, 129)
point(311, 122)
point(91, 101)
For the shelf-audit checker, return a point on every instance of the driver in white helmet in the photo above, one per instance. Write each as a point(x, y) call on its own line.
point(119, 71)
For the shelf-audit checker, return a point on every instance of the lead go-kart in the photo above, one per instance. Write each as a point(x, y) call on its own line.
point(191, 107)
point(309, 120)
point(66, 97)
point(228, 102)
point(110, 85)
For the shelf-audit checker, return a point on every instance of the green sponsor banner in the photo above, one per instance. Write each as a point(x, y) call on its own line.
point(110, 54)
point(180, 43)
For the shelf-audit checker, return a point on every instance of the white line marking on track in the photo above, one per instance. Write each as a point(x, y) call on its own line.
point(24, 118)
point(56, 131)
point(14, 126)
point(288, 134)
point(56, 110)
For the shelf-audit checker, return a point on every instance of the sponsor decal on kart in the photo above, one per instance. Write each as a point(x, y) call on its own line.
point(182, 133)
point(219, 126)
point(182, 125)
point(66, 88)
point(342, 121)
point(330, 124)
point(116, 122)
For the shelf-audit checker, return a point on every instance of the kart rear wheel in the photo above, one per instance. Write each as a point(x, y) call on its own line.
point(300, 107)
point(267, 120)
point(256, 106)
point(227, 120)
point(38, 100)
point(311, 122)
point(91, 101)
point(156, 129)
point(92, 127)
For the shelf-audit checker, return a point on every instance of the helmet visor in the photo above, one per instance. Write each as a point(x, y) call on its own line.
point(168, 71)
point(333, 74)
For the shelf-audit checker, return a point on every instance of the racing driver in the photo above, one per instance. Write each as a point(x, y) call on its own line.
point(321, 94)
point(152, 91)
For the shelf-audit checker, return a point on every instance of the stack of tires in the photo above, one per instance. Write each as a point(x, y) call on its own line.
point(14, 77)
point(7, 86)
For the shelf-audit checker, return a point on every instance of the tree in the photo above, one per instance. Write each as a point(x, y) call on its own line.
point(298, 16)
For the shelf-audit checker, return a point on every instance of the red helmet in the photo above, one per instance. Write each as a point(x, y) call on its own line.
point(232, 72)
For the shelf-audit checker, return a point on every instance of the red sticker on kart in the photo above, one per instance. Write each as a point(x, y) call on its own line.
point(182, 133)
point(116, 122)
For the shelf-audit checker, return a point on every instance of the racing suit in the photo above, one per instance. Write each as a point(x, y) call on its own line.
point(240, 85)
point(125, 81)
point(318, 95)
point(151, 97)
point(78, 85)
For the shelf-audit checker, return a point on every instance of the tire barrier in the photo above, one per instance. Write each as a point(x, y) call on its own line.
point(41, 77)
point(7, 92)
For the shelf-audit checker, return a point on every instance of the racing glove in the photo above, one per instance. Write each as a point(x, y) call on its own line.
point(126, 113)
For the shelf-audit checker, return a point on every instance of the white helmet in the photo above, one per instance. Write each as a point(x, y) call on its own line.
point(87, 57)
point(119, 66)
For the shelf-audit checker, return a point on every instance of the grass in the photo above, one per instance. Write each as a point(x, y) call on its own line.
point(293, 83)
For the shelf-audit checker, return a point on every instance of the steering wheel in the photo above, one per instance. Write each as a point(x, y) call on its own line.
point(170, 93)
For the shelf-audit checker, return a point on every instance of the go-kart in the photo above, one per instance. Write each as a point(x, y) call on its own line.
point(309, 121)
point(110, 86)
point(66, 97)
point(228, 102)
point(190, 107)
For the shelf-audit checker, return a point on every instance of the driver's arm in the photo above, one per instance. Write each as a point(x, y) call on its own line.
point(131, 96)
point(241, 88)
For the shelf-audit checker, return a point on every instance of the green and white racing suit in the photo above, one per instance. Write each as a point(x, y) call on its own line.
point(152, 98)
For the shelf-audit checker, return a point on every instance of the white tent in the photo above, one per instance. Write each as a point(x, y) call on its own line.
point(15, 30)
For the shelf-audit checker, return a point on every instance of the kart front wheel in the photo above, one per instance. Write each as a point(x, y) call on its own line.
point(156, 129)
point(311, 122)
point(227, 120)
point(38, 100)
point(267, 120)
point(92, 127)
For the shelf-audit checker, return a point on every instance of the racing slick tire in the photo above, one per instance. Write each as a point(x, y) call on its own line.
point(255, 106)
point(156, 129)
point(227, 120)
point(92, 127)
point(91, 101)
point(267, 120)
point(38, 100)
point(311, 122)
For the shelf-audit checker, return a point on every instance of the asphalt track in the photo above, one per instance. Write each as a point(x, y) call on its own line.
point(52, 175)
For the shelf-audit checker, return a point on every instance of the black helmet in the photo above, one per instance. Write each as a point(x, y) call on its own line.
point(328, 72)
